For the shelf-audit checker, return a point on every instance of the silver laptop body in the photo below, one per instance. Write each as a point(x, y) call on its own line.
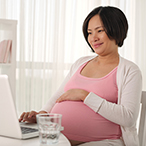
point(9, 124)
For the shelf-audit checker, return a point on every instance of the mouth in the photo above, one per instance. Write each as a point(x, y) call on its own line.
point(97, 45)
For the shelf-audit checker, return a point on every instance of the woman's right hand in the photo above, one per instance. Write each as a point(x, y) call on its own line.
point(30, 117)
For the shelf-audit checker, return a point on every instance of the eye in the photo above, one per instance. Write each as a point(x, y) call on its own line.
point(89, 33)
point(101, 30)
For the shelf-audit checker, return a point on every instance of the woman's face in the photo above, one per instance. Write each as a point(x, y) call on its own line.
point(98, 38)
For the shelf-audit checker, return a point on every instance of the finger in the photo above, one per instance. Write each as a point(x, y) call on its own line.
point(59, 99)
point(21, 117)
point(63, 97)
point(32, 114)
point(25, 118)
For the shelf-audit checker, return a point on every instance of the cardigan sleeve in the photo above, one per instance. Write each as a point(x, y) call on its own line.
point(124, 113)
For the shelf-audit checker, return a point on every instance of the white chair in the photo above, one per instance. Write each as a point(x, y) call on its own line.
point(142, 124)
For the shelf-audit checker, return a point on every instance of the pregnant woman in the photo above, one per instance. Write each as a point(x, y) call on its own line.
point(100, 97)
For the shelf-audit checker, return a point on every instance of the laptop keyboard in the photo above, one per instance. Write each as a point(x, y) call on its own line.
point(26, 130)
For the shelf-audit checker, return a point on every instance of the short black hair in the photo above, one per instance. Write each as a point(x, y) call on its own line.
point(114, 22)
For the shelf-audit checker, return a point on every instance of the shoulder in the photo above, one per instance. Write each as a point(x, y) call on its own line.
point(128, 70)
point(127, 65)
point(128, 73)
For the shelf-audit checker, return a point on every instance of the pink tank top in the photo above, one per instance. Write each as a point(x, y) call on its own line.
point(80, 122)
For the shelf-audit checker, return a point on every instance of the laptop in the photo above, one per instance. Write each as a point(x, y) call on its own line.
point(9, 123)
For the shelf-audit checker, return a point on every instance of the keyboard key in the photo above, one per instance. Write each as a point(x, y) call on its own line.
point(26, 130)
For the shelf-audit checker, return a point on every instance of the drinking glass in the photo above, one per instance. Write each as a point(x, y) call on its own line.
point(49, 126)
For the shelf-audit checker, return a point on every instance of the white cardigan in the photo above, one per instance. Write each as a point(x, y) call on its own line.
point(125, 113)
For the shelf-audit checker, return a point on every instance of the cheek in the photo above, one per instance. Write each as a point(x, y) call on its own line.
point(104, 37)
point(89, 40)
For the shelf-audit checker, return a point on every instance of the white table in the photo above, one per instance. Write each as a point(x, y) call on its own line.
point(4, 141)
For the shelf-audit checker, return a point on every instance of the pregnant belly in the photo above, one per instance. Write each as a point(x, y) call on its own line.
point(83, 124)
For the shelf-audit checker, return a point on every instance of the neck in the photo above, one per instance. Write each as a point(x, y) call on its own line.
point(111, 58)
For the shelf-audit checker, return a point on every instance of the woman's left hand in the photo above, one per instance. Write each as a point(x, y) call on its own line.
point(74, 95)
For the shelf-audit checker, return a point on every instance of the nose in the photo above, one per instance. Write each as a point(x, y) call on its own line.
point(95, 37)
